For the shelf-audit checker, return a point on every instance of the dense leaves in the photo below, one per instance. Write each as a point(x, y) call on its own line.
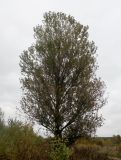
point(60, 88)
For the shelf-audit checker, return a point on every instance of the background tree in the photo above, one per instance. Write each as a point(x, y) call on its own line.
point(60, 88)
point(2, 121)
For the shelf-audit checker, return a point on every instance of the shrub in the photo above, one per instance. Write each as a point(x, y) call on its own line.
point(116, 139)
point(87, 152)
point(59, 151)
point(19, 142)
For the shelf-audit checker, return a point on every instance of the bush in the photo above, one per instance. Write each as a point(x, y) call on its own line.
point(116, 139)
point(87, 152)
point(59, 151)
point(19, 142)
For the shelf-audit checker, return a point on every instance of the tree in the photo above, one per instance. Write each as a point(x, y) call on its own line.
point(1, 118)
point(60, 88)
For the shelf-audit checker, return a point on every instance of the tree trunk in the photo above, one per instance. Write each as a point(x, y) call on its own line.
point(58, 133)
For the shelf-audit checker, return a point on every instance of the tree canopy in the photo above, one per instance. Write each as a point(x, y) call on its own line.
point(60, 88)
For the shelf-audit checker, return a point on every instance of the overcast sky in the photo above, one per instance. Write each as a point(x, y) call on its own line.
point(17, 19)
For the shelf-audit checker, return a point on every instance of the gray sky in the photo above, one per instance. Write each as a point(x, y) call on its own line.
point(17, 19)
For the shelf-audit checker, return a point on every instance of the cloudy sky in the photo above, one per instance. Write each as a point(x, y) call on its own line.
point(17, 19)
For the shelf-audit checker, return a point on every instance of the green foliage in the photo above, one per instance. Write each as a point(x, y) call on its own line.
point(18, 141)
point(59, 151)
point(23, 140)
point(116, 139)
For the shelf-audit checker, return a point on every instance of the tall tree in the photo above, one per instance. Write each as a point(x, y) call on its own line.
point(60, 88)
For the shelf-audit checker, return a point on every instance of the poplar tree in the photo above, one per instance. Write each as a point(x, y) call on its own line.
point(61, 90)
